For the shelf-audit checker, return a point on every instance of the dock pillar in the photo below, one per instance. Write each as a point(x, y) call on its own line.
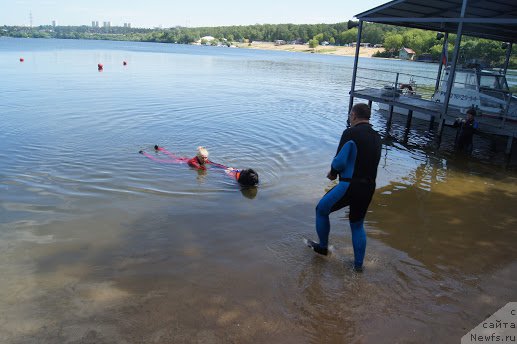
point(408, 124)
point(441, 125)
point(445, 50)
point(507, 59)
point(431, 122)
point(356, 61)
point(509, 144)
point(452, 72)
point(390, 117)
point(409, 118)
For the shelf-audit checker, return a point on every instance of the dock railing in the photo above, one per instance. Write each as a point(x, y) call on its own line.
point(394, 84)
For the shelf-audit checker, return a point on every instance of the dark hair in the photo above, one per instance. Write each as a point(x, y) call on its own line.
point(248, 177)
point(471, 111)
point(362, 111)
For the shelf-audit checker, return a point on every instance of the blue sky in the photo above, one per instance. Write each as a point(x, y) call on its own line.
point(153, 13)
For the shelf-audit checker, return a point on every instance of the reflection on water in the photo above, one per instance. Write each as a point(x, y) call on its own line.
point(99, 244)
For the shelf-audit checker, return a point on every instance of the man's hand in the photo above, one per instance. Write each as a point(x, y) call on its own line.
point(331, 176)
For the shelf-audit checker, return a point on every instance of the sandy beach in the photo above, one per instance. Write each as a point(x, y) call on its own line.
point(330, 50)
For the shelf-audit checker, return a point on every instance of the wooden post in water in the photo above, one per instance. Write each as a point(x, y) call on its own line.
point(370, 104)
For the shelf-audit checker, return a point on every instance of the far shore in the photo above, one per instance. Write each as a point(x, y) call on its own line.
point(328, 50)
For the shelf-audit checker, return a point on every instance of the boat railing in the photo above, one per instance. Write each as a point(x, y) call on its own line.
point(393, 84)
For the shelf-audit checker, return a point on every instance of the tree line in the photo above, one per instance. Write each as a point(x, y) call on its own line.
point(393, 38)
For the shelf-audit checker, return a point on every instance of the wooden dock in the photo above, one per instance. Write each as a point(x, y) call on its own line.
point(488, 125)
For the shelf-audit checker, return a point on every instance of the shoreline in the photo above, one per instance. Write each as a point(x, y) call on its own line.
point(300, 48)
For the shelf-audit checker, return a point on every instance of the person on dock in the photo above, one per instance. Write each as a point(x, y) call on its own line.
point(356, 161)
point(466, 129)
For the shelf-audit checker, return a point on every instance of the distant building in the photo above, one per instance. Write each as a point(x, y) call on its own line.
point(95, 23)
point(54, 23)
point(407, 54)
point(107, 24)
point(127, 25)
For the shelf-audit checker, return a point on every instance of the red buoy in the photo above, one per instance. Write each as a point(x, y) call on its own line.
point(22, 59)
point(100, 66)
point(124, 63)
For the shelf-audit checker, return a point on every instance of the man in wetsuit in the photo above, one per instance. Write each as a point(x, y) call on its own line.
point(356, 162)
point(466, 129)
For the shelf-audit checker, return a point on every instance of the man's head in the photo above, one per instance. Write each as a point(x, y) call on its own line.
point(248, 177)
point(471, 113)
point(202, 154)
point(360, 114)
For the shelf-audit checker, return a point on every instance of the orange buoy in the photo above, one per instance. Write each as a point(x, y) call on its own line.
point(22, 59)
point(124, 63)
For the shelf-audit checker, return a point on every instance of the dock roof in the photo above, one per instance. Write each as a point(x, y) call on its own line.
point(491, 19)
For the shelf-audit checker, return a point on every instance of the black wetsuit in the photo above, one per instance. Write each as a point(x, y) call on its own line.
point(466, 130)
point(362, 183)
point(356, 162)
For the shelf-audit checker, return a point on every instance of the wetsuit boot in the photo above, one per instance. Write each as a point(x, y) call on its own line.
point(317, 247)
point(359, 243)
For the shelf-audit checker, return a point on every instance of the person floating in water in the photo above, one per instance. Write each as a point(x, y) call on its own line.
point(245, 177)
point(200, 161)
point(356, 162)
point(466, 129)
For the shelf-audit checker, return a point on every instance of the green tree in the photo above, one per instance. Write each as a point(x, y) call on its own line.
point(348, 36)
point(313, 43)
point(372, 34)
point(393, 42)
point(319, 37)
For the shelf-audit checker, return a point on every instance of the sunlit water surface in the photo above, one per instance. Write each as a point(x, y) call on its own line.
point(100, 244)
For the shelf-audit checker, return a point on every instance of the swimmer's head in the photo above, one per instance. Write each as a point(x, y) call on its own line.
point(248, 177)
point(202, 154)
point(471, 113)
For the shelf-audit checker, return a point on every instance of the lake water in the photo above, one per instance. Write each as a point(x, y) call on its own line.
point(99, 244)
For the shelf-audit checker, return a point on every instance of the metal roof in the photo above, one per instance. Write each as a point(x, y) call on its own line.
point(492, 19)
